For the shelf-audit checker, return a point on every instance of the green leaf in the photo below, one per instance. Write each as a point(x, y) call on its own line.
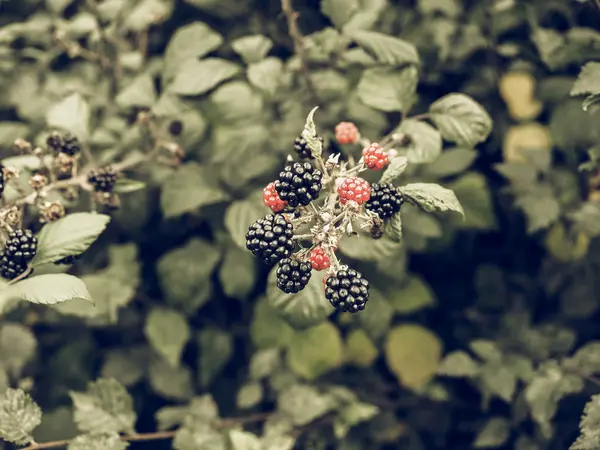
point(339, 11)
point(183, 280)
point(494, 433)
point(458, 364)
point(360, 350)
point(474, 195)
point(47, 289)
point(303, 404)
point(196, 77)
point(252, 48)
point(425, 141)
point(125, 186)
point(107, 441)
point(17, 347)
point(377, 317)
point(198, 431)
point(189, 42)
point(395, 228)
point(452, 162)
point(315, 351)
point(243, 440)
point(588, 80)
point(145, 13)
point(71, 114)
point(69, 235)
point(235, 103)
point(413, 354)
point(414, 295)
point(238, 273)
point(386, 49)
point(268, 329)
point(139, 92)
point(487, 350)
point(189, 188)
point(396, 167)
point(175, 383)
point(461, 119)
point(215, 350)
point(266, 75)
point(126, 365)
point(243, 213)
point(304, 309)
point(105, 407)
point(586, 360)
point(168, 332)
point(550, 385)
point(388, 89)
point(432, 197)
point(264, 363)
point(19, 415)
point(249, 395)
point(364, 248)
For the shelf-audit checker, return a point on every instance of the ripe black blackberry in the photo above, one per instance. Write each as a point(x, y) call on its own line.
point(301, 147)
point(70, 145)
point(299, 184)
point(385, 200)
point(293, 275)
point(20, 249)
point(54, 141)
point(103, 179)
point(270, 238)
point(347, 290)
point(2, 179)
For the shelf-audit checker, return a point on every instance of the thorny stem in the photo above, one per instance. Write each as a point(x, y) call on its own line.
point(159, 435)
point(299, 48)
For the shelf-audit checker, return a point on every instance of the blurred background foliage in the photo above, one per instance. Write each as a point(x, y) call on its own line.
point(478, 333)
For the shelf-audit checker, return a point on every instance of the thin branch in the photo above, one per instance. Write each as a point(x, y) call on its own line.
point(160, 435)
point(299, 48)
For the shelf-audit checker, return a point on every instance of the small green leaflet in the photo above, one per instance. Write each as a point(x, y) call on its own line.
point(70, 235)
point(167, 331)
point(310, 134)
point(387, 89)
point(253, 48)
point(588, 80)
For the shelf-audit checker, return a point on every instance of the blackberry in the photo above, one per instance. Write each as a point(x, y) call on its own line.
point(385, 200)
point(103, 179)
point(20, 249)
point(347, 290)
point(293, 275)
point(70, 145)
point(301, 147)
point(299, 184)
point(54, 141)
point(2, 179)
point(270, 238)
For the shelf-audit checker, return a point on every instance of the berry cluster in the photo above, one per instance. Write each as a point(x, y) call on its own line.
point(65, 143)
point(296, 201)
point(19, 250)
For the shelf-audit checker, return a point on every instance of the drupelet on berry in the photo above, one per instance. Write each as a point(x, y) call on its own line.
point(299, 184)
point(375, 157)
point(293, 275)
point(270, 238)
point(347, 290)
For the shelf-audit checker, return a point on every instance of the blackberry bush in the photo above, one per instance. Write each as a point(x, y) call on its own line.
point(349, 201)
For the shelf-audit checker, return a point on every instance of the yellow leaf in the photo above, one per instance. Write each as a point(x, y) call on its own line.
point(360, 350)
point(413, 354)
point(517, 89)
point(530, 136)
point(315, 351)
point(566, 248)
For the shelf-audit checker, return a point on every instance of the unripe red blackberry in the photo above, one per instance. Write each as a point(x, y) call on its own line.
point(270, 238)
point(299, 184)
point(102, 179)
point(19, 250)
point(347, 290)
point(386, 200)
point(354, 189)
point(293, 275)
